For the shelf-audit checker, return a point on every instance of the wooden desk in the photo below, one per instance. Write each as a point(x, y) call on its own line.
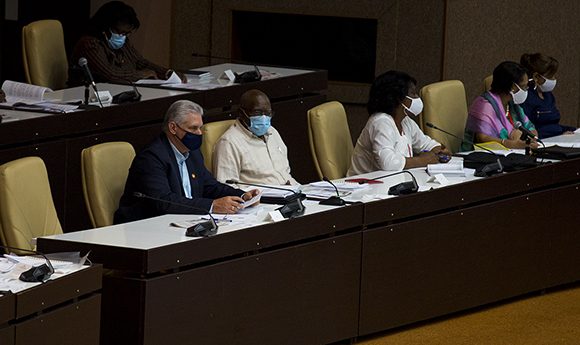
point(64, 311)
point(291, 282)
point(414, 257)
point(59, 138)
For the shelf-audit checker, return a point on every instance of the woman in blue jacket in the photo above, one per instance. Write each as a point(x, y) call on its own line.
point(540, 106)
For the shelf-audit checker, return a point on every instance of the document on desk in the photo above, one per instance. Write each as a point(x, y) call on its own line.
point(448, 169)
point(23, 93)
point(173, 79)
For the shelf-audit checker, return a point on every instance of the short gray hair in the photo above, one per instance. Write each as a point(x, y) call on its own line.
point(179, 110)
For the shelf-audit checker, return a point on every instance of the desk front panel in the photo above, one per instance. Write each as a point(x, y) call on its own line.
point(448, 262)
point(564, 254)
point(462, 195)
point(226, 245)
point(279, 88)
point(58, 291)
point(77, 323)
point(7, 335)
point(304, 294)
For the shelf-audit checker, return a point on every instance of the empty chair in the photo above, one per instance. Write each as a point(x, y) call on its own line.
point(44, 54)
point(330, 140)
point(105, 168)
point(487, 83)
point(445, 106)
point(212, 131)
point(26, 206)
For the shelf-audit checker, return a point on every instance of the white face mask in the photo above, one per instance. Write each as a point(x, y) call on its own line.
point(416, 106)
point(520, 96)
point(548, 85)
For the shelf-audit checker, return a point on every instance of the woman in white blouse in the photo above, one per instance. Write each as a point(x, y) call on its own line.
point(392, 141)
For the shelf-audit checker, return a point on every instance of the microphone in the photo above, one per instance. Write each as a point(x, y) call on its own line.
point(526, 133)
point(203, 229)
point(36, 274)
point(241, 78)
point(486, 170)
point(293, 206)
point(400, 188)
point(334, 200)
point(83, 63)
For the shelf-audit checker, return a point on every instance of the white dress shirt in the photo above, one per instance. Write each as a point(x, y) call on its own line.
point(242, 156)
point(380, 146)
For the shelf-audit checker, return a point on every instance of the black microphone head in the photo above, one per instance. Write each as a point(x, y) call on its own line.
point(203, 229)
point(231, 181)
point(324, 178)
point(517, 124)
point(83, 62)
point(429, 124)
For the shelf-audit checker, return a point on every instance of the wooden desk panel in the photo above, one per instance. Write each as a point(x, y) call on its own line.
point(437, 265)
point(564, 256)
point(226, 245)
point(7, 335)
point(64, 311)
point(468, 193)
point(77, 323)
point(58, 291)
point(305, 294)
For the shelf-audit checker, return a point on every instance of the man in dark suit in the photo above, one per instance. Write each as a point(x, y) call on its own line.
point(171, 168)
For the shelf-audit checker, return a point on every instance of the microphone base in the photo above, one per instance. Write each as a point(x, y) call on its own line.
point(203, 229)
point(292, 209)
point(403, 188)
point(333, 201)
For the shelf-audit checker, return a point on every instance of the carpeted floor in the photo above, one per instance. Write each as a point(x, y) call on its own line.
point(551, 318)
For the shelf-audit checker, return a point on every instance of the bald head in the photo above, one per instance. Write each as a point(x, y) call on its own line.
point(255, 101)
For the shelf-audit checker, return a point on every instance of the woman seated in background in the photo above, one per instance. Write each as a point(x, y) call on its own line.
point(390, 139)
point(110, 55)
point(493, 115)
point(540, 106)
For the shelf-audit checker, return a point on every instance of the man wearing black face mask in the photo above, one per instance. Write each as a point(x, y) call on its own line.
point(171, 168)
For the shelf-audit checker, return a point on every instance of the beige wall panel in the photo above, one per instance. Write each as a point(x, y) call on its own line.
point(481, 34)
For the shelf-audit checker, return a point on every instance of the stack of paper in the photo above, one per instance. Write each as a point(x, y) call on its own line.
point(275, 193)
point(31, 97)
point(198, 76)
point(340, 185)
point(454, 168)
point(173, 79)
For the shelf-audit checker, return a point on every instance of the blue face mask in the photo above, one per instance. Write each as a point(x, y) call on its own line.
point(190, 140)
point(116, 41)
point(259, 125)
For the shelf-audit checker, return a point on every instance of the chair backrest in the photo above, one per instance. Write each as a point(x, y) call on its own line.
point(105, 168)
point(212, 131)
point(445, 106)
point(26, 206)
point(44, 54)
point(330, 140)
point(487, 83)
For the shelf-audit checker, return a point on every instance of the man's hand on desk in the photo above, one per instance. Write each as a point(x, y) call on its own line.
point(227, 204)
point(250, 194)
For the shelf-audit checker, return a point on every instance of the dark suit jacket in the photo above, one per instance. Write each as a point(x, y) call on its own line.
point(154, 172)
